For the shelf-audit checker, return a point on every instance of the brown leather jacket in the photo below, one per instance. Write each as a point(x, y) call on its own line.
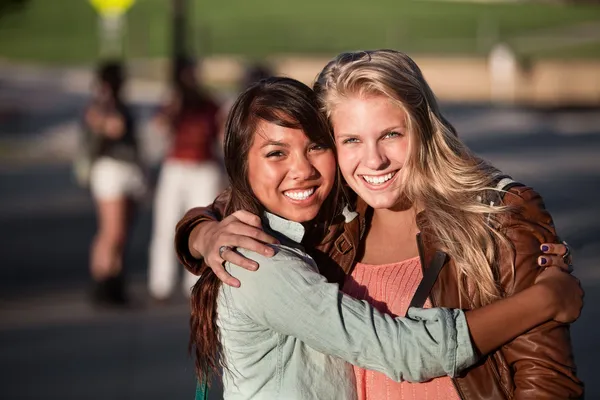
point(537, 365)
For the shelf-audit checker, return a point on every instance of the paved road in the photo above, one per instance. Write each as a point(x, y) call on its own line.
point(54, 346)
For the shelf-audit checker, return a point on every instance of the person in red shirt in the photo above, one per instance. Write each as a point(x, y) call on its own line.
point(190, 175)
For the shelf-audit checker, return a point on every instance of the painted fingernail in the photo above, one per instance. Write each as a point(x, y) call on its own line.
point(545, 248)
point(543, 260)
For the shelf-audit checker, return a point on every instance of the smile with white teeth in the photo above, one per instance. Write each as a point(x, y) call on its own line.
point(378, 180)
point(299, 194)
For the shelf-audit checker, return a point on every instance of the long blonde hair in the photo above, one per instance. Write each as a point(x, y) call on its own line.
point(441, 174)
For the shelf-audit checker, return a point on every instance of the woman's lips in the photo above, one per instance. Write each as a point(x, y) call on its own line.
point(378, 182)
point(301, 196)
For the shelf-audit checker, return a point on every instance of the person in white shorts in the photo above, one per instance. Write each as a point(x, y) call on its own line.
point(116, 182)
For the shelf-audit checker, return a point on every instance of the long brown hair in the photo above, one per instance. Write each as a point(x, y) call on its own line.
point(282, 101)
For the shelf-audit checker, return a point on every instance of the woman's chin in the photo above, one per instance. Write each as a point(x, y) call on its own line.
point(299, 214)
point(392, 199)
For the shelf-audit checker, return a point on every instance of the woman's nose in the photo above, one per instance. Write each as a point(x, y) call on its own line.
point(375, 158)
point(302, 168)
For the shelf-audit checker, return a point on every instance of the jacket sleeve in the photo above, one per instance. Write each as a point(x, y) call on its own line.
point(289, 296)
point(193, 217)
point(541, 360)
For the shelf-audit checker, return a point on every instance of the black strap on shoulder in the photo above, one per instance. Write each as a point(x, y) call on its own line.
point(511, 185)
point(503, 184)
point(430, 275)
point(432, 271)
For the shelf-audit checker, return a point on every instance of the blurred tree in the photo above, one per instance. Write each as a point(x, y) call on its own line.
point(7, 6)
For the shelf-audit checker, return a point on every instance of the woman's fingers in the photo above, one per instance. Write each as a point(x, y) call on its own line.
point(554, 261)
point(238, 229)
point(248, 218)
point(237, 259)
point(242, 230)
point(224, 276)
point(547, 261)
point(249, 243)
point(558, 249)
point(245, 237)
point(229, 254)
point(556, 254)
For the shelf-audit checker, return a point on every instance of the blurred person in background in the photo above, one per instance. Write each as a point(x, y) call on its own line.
point(116, 181)
point(189, 176)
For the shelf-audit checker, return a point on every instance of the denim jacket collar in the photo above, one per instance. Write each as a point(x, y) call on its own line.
point(291, 230)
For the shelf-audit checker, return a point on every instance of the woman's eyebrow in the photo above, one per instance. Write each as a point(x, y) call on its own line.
point(347, 135)
point(393, 128)
point(274, 143)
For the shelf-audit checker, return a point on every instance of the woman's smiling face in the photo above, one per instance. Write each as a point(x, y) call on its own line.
point(372, 146)
point(289, 174)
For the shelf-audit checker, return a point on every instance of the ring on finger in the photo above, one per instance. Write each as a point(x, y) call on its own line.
point(567, 256)
point(223, 249)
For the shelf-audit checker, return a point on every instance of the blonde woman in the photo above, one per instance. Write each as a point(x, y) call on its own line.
point(422, 197)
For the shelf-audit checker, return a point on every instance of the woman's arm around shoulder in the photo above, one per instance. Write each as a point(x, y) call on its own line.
point(542, 359)
point(202, 231)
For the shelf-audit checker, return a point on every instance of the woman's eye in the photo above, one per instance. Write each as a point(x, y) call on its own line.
point(350, 140)
point(276, 153)
point(318, 147)
point(392, 134)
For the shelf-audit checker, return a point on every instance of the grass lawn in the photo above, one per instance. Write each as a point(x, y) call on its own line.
point(65, 31)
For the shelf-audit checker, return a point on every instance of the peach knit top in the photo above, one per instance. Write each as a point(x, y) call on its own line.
point(390, 288)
